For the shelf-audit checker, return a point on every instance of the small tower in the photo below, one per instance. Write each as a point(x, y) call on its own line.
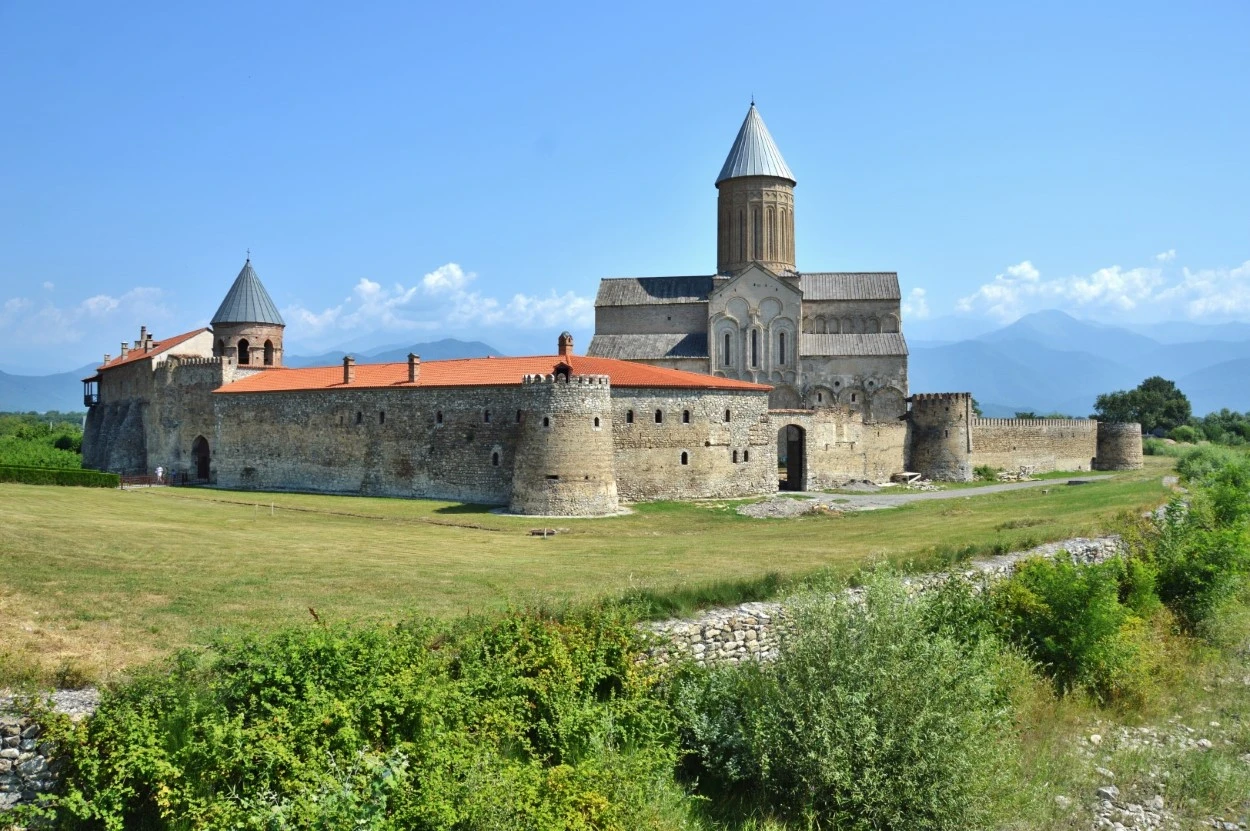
point(940, 436)
point(247, 327)
point(755, 209)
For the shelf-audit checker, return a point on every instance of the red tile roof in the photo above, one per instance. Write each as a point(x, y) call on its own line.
point(483, 372)
point(158, 346)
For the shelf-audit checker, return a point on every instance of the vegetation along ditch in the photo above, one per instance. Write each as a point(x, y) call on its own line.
point(1070, 694)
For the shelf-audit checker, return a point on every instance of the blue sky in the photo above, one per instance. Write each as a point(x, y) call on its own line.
point(404, 172)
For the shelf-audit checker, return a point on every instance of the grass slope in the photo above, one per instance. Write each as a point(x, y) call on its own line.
point(93, 582)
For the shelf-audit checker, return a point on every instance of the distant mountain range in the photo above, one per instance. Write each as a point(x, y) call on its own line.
point(1051, 362)
point(1044, 362)
point(439, 350)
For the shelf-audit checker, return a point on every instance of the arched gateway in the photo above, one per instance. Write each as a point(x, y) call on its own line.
point(200, 453)
point(792, 458)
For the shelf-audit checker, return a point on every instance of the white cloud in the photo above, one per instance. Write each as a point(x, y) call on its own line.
point(916, 305)
point(27, 323)
point(1206, 293)
point(442, 300)
point(48, 285)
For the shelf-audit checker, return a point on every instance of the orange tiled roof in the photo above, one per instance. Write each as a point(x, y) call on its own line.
point(481, 372)
point(158, 346)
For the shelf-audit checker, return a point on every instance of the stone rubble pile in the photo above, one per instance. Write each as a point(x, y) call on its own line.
point(25, 769)
point(750, 631)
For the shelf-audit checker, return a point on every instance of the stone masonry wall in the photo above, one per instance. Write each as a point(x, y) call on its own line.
point(841, 447)
point(1045, 443)
point(26, 767)
point(439, 443)
point(648, 453)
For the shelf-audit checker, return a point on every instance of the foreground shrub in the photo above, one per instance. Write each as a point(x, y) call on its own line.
point(866, 720)
point(1197, 464)
point(1069, 618)
point(525, 722)
point(58, 476)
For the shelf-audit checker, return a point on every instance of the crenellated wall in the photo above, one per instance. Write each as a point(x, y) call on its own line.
point(1044, 444)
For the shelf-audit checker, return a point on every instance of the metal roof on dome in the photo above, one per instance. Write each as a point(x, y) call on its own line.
point(247, 301)
point(754, 153)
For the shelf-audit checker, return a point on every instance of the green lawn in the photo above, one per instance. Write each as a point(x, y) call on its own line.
point(95, 581)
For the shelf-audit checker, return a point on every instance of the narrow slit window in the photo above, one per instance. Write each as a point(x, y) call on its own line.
point(438, 417)
point(360, 417)
point(629, 416)
point(381, 416)
point(659, 416)
point(727, 415)
point(486, 416)
point(494, 459)
point(781, 348)
point(685, 458)
point(546, 421)
point(518, 416)
point(746, 455)
point(735, 457)
point(727, 357)
point(755, 347)
point(596, 422)
point(685, 416)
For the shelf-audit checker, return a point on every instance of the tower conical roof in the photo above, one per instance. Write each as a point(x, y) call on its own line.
point(247, 301)
point(754, 152)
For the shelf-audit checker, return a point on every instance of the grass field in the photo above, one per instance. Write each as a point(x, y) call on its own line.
point(95, 581)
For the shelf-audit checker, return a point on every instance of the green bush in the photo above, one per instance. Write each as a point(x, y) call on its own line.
point(58, 476)
point(985, 473)
point(525, 721)
point(1197, 464)
point(866, 720)
point(1152, 446)
point(1069, 618)
point(1185, 433)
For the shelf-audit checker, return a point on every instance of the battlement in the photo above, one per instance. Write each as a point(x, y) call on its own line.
point(1068, 423)
point(570, 380)
point(184, 360)
point(940, 397)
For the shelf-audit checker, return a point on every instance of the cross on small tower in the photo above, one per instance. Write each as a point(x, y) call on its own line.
point(249, 255)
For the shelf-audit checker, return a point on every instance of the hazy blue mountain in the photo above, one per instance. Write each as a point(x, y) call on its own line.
point(945, 329)
point(1059, 330)
point(39, 393)
point(439, 350)
point(1221, 385)
point(1179, 331)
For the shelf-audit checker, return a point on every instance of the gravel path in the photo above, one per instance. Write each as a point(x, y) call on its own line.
point(802, 502)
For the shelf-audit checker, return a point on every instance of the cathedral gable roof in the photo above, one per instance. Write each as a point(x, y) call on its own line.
point(849, 285)
point(647, 291)
point(247, 301)
point(885, 344)
point(649, 347)
point(754, 153)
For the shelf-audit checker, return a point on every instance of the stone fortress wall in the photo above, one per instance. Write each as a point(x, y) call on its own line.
point(1045, 444)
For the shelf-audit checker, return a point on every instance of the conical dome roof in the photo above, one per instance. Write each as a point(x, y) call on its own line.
point(247, 301)
point(754, 152)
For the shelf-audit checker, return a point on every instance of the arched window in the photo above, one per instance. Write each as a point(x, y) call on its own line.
point(685, 416)
point(757, 234)
point(221, 348)
point(629, 416)
point(781, 348)
point(755, 347)
point(772, 233)
point(742, 235)
point(659, 416)
point(494, 459)
point(438, 417)
point(486, 416)
point(727, 356)
point(546, 421)
point(268, 353)
point(685, 458)
point(596, 422)
point(735, 457)
point(746, 455)
point(727, 415)
point(245, 351)
point(360, 417)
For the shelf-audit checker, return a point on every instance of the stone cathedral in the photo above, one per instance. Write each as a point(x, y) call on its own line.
point(819, 338)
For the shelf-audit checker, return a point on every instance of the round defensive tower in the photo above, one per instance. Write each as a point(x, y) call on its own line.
point(939, 438)
point(564, 459)
point(1119, 447)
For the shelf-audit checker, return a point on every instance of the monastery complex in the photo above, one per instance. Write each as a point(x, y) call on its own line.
point(693, 387)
